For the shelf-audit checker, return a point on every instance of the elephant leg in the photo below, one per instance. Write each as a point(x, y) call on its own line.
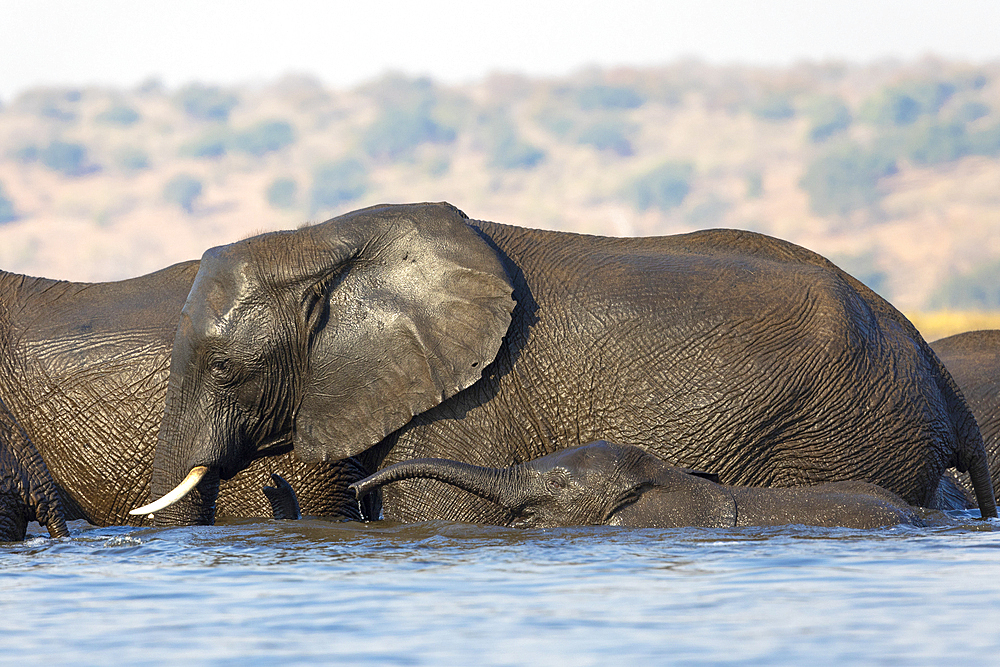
point(27, 489)
point(284, 504)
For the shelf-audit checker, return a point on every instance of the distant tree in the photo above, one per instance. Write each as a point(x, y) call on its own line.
point(933, 143)
point(183, 190)
point(972, 111)
point(131, 159)
point(827, 116)
point(338, 182)
point(904, 104)
point(281, 193)
point(608, 135)
point(27, 154)
point(846, 179)
point(7, 210)
point(264, 137)
point(398, 130)
point(555, 121)
point(664, 187)
point(69, 159)
point(976, 290)
point(212, 144)
point(119, 114)
point(507, 149)
point(599, 96)
point(774, 107)
point(207, 102)
point(985, 141)
point(407, 119)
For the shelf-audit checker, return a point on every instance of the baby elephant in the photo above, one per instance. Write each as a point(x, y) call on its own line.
point(607, 484)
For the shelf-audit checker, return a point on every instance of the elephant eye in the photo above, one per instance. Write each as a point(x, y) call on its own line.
point(558, 480)
point(221, 368)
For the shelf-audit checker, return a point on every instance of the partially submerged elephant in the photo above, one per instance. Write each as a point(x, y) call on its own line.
point(409, 331)
point(973, 359)
point(604, 483)
point(83, 376)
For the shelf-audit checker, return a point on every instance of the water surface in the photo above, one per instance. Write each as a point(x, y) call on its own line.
point(440, 593)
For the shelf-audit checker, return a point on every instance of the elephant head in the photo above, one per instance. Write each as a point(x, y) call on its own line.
point(325, 340)
point(597, 484)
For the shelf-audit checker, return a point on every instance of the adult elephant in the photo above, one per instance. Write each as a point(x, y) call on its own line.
point(390, 333)
point(83, 376)
point(973, 359)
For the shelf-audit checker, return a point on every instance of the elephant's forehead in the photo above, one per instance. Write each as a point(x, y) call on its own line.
point(217, 295)
point(593, 455)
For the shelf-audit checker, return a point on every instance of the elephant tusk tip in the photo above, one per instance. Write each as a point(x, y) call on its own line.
point(181, 490)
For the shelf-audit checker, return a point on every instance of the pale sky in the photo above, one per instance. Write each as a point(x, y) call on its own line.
point(123, 42)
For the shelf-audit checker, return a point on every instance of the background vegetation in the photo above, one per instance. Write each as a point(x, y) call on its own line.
point(890, 169)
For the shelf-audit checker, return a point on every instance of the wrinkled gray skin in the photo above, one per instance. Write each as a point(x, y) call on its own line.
point(83, 376)
point(410, 331)
point(973, 359)
point(608, 484)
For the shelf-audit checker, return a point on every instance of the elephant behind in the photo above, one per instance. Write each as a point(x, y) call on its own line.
point(401, 332)
point(973, 359)
point(83, 377)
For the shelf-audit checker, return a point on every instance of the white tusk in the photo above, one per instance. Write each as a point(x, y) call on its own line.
point(176, 494)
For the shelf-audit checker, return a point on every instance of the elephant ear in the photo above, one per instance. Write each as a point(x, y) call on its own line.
point(413, 306)
point(677, 498)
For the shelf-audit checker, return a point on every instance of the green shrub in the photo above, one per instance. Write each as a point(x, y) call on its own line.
point(207, 102)
point(664, 187)
point(846, 179)
point(972, 111)
point(212, 144)
point(828, 116)
point(774, 107)
point(985, 142)
point(66, 158)
point(556, 122)
point(976, 290)
point(338, 182)
point(904, 104)
point(264, 137)
point(934, 143)
point(398, 130)
point(600, 96)
point(607, 135)
point(183, 190)
point(281, 193)
point(506, 148)
point(131, 159)
point(120, 114)
point(7, 211)
point(27, 154)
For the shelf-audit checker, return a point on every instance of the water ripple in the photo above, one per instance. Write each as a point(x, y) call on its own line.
point(443, 593)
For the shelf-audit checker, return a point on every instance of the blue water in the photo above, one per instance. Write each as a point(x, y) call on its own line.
point(439, 593)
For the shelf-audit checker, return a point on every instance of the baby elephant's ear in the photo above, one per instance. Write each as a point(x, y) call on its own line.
point(710, 476)
point(677, 499)
point(414, 315)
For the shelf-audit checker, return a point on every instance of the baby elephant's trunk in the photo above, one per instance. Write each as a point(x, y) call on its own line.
point(502, 486)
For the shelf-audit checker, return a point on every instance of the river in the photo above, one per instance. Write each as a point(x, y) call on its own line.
point(440, 593)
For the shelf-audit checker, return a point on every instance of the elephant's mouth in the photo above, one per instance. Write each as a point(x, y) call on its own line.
point(178, 492)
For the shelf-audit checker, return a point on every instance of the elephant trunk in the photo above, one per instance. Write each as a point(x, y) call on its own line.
point(504, 486)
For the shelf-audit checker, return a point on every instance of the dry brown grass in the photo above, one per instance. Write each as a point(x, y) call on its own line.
point(943, 323)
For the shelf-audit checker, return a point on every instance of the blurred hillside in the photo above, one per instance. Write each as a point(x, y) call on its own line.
point(892, 170)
